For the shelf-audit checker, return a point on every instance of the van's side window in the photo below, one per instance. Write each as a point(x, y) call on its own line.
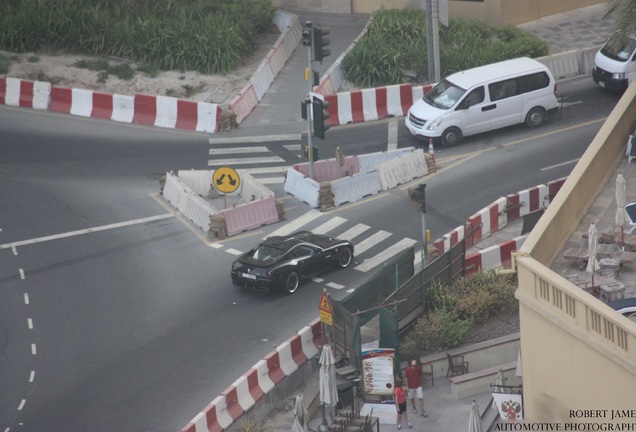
point(515, 86)
point(474, 97)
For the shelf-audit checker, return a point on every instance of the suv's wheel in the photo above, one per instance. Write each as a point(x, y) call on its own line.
point(345, 257)
point(536, 117)
point(451, 137)
point(292, 282)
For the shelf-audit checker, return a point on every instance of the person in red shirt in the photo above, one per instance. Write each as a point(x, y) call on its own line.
point(413, 376)
point(400, 404)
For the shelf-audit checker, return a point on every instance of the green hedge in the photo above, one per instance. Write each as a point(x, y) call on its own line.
point(396, 42)
point(208, 36)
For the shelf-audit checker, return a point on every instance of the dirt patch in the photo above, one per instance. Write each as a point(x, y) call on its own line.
point(61, 70)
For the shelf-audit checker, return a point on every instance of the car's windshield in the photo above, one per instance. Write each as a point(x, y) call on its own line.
point(266, 254)
point(444, 95)
point(619, 47)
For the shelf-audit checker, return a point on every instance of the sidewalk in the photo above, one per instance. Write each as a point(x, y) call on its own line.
point(280, 107)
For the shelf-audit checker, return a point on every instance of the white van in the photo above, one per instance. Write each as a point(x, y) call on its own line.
point(484, 98)
point(615, 63)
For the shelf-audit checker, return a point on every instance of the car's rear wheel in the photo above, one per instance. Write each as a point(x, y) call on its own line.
point(536, 117)
point(292, 282)
point(345, 257)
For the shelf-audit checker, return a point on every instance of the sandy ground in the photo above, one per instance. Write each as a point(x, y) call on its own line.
point(60, 71)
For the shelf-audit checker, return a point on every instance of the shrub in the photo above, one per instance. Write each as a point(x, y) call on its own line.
point(440, 328)
point(5, 64)
point(396, 41)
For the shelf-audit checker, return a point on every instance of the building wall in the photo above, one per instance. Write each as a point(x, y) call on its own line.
point(577, 353)
point(494, 12)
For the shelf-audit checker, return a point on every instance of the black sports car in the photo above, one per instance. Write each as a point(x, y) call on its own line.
point(282, 262)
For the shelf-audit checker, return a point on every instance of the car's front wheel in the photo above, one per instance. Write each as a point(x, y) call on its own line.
point(345, 257)
point(451, 137)
point(292, 282)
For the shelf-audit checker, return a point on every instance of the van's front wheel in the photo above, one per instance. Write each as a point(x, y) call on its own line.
point(451, 137)
point(536, 117)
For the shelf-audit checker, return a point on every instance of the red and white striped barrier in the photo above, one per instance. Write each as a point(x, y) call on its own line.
point(252, 386)
point(372, 104)
point(498, 256)
point(497, 215)
point(24, 93)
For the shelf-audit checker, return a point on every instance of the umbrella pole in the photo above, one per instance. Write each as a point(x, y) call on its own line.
point(324, 417)
point(622, 237)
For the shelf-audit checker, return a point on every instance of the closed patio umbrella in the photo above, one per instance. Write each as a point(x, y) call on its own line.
point(621, 217)
point(299, 415)
point(327, 375)
point(497, 387)
point(592, 243)
point(474, 423)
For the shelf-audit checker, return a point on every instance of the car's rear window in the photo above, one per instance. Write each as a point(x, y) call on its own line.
point(266, 254)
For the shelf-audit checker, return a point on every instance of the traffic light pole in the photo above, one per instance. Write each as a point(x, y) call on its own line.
point(308, 24)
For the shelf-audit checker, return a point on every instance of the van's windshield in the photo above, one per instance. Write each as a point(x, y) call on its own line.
point(444, 95)
point(619, 47)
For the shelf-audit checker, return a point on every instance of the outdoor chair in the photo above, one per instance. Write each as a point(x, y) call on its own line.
point(428, 373)
point(456, 365)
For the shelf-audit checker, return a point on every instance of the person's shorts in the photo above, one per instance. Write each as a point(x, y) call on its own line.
point(416, 393)
point(401, 408)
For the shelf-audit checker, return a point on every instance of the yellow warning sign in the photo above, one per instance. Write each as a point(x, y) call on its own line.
point(324, 308)
point(226, 179)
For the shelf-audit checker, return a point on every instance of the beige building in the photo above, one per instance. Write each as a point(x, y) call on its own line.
point(577, 353)
point(493, 12)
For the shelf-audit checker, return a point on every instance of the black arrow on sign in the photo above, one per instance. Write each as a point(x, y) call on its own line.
point(232, 181)
point(219, 181)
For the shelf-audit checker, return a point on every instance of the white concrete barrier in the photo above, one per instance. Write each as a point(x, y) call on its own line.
point(302, 187)
point(352, 189)
point(199, 181)
point(371, 161)
point(402, 170)
point(251, 189)
point(251, 215)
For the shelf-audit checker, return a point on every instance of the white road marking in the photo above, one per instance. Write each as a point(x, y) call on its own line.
point(317, 280)
point(297, 223)
point(86, 231)
point(26, 298)
point(15, 251)
point(235, 150)
point(242, 161)
point(332, 223)
point(353, 232)
point(216, 245)
point(559, 165)
point(252, 139)
point(30, 323)
point(234, 252)
point(369, 242)
point(22, 274)
point(22, 404)
point(373, 262)
point(335, 285)
point(34, 349)
point(32, 376)
point(392, 140)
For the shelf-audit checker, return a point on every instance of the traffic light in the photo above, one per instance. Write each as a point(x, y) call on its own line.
point(307, 36)
point(320, 116)
point(310, 153)
point(417, 194)
point(319, 43)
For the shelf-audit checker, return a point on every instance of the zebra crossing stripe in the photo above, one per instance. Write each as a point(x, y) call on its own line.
point(296, 224)
point(369, 242)
point(233, 150)
point(255, 138)
point(373, 262)
point(332, 223)
point(354, 232)
point(230, 162)
point(335, 285)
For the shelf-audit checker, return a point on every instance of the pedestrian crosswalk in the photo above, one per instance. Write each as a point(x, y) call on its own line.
point(248, 154)
point(372, 247)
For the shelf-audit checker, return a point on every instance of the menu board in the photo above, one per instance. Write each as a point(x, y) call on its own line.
point(377, 371)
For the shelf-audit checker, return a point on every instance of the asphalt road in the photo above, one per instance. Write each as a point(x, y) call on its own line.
point(135, 325)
